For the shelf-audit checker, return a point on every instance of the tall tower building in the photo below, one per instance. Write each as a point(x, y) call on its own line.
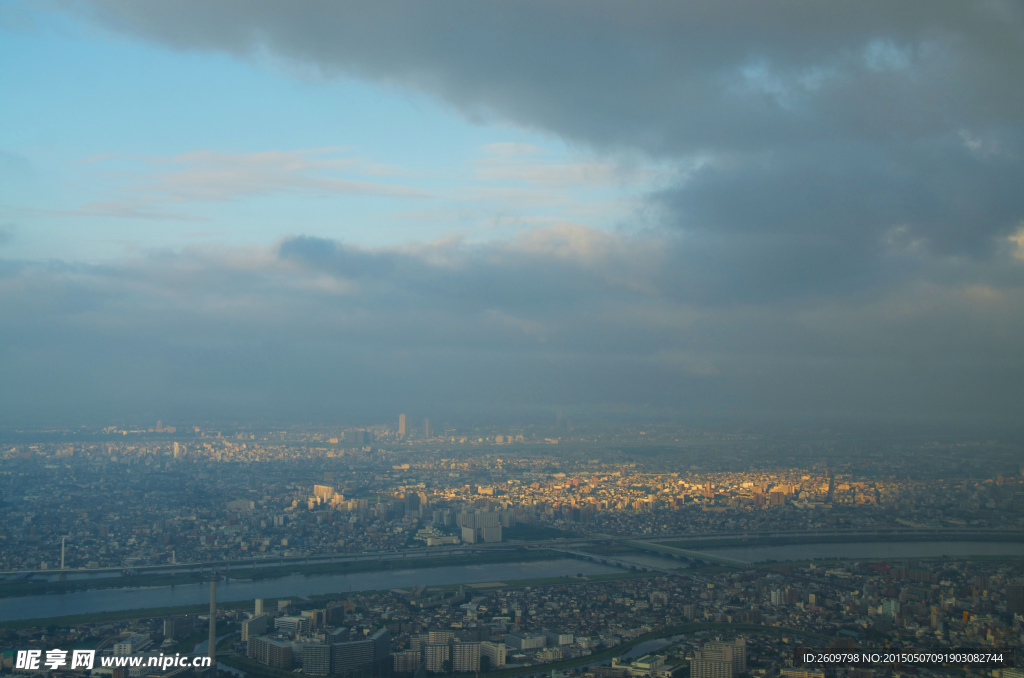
point(1015, 596)
point(426, 428)
point(401, 425)
point(213, 627)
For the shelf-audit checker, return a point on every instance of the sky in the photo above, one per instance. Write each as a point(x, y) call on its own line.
point(785, 212)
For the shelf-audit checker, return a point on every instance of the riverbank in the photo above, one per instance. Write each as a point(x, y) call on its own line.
point(789, 540)
point(19, 588)
point(756, 553)
point(271, 603)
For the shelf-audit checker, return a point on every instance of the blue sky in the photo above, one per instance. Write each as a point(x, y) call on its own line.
point(114, 145)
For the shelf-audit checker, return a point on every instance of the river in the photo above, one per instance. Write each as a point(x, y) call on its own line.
point(880, 550)
point(296, 585)
point(871, 550)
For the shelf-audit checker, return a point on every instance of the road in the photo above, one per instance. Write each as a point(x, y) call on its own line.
point(938, 533)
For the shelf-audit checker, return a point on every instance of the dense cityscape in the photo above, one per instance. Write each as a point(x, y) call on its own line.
point(148, 499)
point(519, 339)
point(651, 508)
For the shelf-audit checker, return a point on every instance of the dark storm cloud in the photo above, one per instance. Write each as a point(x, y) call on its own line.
point(841, 220)
point(948, 196)
point(665, 77)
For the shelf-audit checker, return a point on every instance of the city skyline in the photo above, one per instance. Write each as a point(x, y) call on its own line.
point(585, 339)
point(526, 549)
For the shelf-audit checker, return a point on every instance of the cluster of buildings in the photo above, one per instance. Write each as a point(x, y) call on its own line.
point(915, 606)
point(716, 624)
point(127, 503)
point(157, 497)
point(315, 641)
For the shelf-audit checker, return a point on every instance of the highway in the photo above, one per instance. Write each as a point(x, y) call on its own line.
point(752, 538)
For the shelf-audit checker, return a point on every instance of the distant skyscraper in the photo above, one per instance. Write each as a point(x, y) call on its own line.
point(401, 426)
point(1015, 597)
point(426, 428)
point(718, 659)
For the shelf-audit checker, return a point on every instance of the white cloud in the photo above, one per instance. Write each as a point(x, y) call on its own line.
point(211, 175)
point(1018, 242)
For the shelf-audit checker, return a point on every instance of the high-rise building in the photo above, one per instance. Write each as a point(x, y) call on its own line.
point(255, 626)
point(316, 659)
point(443, 636)
point(709, 668)
point(493, 651)
point(468, 535)
point(426, 428)
point(351, 656)
point(179, 627)
point(465, 657)
point(325, 492)
point(720, 659)
point(1015, 597)
point(480, 526)
point(381, 640)
point(401, 425)
point(359, 655)
point(739, 652)
point(407, 661)
point(272, 651)
point(435, 655)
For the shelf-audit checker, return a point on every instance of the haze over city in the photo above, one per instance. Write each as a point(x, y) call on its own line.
point(580, 339)
point(336, 212)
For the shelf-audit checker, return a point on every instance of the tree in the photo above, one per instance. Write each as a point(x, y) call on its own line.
point(485, 664)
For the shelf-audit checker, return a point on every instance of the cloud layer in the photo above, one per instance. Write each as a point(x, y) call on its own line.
point(837, 232)
point(560, 317)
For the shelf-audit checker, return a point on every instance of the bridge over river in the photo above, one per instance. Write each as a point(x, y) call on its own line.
point(653, 543)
